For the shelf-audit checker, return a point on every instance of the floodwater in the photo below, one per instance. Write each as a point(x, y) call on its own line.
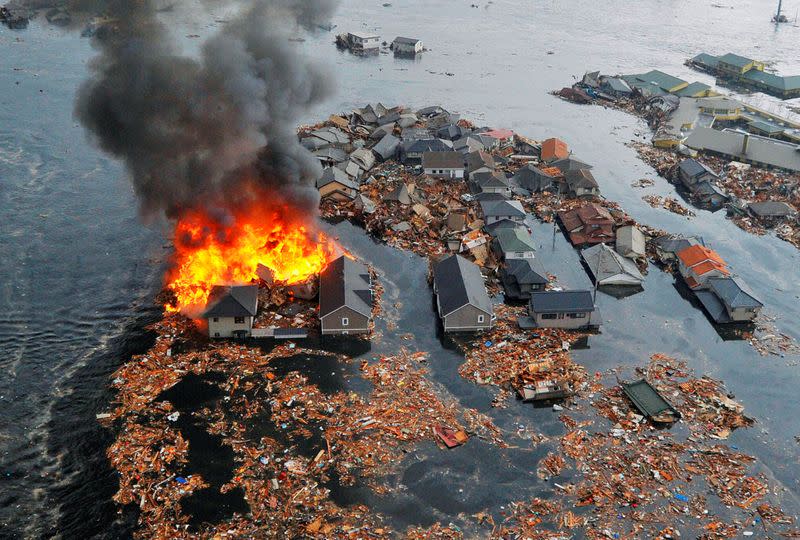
point(79, 268)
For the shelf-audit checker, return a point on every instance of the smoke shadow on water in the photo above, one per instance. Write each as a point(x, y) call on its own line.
point(81, 442)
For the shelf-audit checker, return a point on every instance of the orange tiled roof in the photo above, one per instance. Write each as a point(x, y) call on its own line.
point(693, 255)
point(708, 266)
point(554, 149)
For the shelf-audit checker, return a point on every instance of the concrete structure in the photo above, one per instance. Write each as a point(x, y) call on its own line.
point(729, 300)
point(563, 309)
point(230, 311)
point(697, 264)
point(630, 242)
point(404, 45)
point(746, 148)
point(461, 298)
point(345, 298)
point(610, 268)
point(448, 165)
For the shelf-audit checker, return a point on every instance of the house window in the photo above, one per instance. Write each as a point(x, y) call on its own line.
point(238, 320)
point(216, 319)
point(216, 334)
point(561, 315)
point(345, 321)
point(577, 315)
point(480, 318)
point(549, 316)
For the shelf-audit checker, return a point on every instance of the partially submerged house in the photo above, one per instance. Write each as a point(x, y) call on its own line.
point(610, 268)
point(630, 242)
point(516, 243)
point(363, 41)
point(563, 309)
point(581, 183)
point(230, 311)
point(771, 211)
point(699, 180)
point(521, 277)
point(697, 264)
point(404, 45)
point(668, 246)
point(336, 184)
point(729, 300)
point(449, 165)
point(399, 194)
point(461, 298)
point(494, 211)
point(345, 298)
point(650, 403)
point(536, 179)
point(588, 225)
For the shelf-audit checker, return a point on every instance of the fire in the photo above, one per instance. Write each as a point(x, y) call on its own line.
point(208, 253)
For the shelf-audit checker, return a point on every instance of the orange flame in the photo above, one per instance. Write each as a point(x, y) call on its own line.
point(208, 253)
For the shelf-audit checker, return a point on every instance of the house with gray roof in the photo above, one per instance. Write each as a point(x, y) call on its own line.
point(479, 161)
point(729, 300)
point(691, 171)
point(449, 165)
point(746, 148)
point(581, 183)
point(771, 210)
point(387, 148)
point(515, 243)
point(461, 298)
point(610, 268)
point(413, 150)
point(494, 211)
point(230, 311)
point(490, 182)
point(521, 277)
point(535, 179)
point(404, 45)
point(468, 144)
point(563, 309)
point(336, 184)
point(345, 298)
point(667, 246)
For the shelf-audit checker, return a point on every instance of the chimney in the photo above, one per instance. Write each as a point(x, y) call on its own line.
point(745, 142)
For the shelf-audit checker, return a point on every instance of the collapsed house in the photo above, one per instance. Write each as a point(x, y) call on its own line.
point(588, 225)
point(610, 268)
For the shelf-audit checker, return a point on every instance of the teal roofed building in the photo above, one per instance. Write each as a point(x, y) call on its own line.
point(705, 61)
point(695, 89)
point(655, 78)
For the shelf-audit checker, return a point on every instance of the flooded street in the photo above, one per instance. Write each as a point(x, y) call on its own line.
point(80, 269)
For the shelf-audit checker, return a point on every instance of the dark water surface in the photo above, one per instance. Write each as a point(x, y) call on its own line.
point(78, 268)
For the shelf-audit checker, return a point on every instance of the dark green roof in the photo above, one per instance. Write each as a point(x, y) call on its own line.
point(735, 60)
point(693, 89)
point(766, 127)
point(647, 399)
point(774, 81)
point(707, 60)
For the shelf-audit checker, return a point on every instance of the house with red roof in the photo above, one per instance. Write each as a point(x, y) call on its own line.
point(589, 224)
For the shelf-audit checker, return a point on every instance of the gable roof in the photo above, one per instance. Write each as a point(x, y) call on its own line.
point(525, 271)
point(561, 301)
point(693, 89)
point(705, 267)
point(406, 41)
point(443, 160)
point(498, 133)
point(514, 239)
point(605, 263)
point(696, 254)
point(333, 174)
point(232, 301)
point(771, 208)
point(553, 149)
point(734, 292)
point(502, 208)
point(693, 168)
point(493, 180)
point(420, 146)
point(345, 282)
point(570, 164)
point(478, 158)
point(735, 60)
point(458, 283)
point(581, 178)
point(674, 244)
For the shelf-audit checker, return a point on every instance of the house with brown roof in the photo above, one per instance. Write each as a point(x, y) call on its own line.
point(588, 225)
point(553, 149)
point(697, 264)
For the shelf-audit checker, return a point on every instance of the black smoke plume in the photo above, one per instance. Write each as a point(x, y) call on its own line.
point(193, 130)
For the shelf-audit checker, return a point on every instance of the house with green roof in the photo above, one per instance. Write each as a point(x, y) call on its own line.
point(748, 72)
point(656, 79)
point(696, 90)
point(516, 243)
point(735, 65)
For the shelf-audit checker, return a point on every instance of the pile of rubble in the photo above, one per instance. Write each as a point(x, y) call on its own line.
point(668, 203)
point(511, 359)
